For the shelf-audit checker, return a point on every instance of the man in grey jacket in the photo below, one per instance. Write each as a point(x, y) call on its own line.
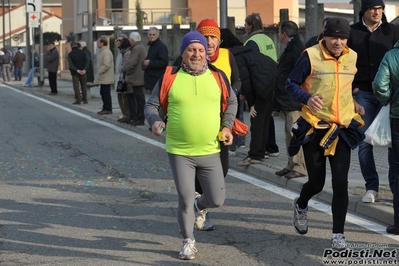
point(53, 59)
point(135, 79)
point(105, 75)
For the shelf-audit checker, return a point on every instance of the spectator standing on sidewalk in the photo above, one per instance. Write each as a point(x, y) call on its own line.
point(78, 65)
point(105, 75)
point(371, 38)
point(122, 44)
point(328, 127)
point(259, 41)
point(135, 79)
point(157, 59)
point(89, 72)
point(5, 65)
point(272, 149)
point(260, 107)
point(18, 61)
point(315, 39)
point(194, 150)
point(31, 75)
point(53, 60)
point(386, 89)
point(290, 109)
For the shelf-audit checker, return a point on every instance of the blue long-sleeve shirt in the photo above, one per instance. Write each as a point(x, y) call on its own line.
point(297, 76)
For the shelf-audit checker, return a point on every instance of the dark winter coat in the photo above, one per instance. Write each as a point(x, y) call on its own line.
point(370, 48)
point(77, 60)
point(158, 55)
point(313, 40)
point(53, 60)
point(257, 73)
point(286, 62)
point(5, 59)
point(89, 71)
point(19, 60)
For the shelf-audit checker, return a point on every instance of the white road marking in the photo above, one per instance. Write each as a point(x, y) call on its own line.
point(322, 207)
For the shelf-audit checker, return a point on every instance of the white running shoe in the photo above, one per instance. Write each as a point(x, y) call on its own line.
point(370, 196)
point(188, 250)
point(338, 242)
point(200, 215)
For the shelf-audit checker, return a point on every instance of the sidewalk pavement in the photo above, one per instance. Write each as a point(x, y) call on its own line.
point(380, 211)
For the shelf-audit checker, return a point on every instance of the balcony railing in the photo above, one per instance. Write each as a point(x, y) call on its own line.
point(154, 16)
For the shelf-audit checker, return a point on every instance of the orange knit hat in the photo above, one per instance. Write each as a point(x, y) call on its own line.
point(209, 27)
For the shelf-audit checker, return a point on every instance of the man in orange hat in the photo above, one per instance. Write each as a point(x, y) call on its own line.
point(223, 59)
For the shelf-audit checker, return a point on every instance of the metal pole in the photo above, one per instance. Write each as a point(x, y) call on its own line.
point(41, 51)
point(311, 19)
point(4, 27)
point(223, 14)
point(90, 26)
point(357, 5)
point(9, 20)
point(28, 40)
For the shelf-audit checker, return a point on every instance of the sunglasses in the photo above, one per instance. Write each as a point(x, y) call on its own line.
point(118, 40)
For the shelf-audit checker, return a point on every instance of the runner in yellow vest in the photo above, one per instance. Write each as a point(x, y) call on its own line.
point(224, 60)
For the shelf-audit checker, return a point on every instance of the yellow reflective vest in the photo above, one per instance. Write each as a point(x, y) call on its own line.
point(332, 79)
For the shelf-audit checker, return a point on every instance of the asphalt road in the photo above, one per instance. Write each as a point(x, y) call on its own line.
point(76, 190)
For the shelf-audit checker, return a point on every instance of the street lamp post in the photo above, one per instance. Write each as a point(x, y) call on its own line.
point(4, 27)
point(90, 26)
point(9, 20)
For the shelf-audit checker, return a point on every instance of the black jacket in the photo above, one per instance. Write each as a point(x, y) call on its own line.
point(257, 73)
point(313, 40)
point(77, 60)
point(370, 48)
point(158, 55)
point(89, 71)
point(5, 59)
point(286, 62)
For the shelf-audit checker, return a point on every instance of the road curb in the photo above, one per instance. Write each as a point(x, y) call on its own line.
point(380, 212)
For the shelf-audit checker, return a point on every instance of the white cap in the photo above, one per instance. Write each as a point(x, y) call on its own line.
point(82, 43)
point(135, 36)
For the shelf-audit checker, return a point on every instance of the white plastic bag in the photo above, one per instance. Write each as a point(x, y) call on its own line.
point(379, 132)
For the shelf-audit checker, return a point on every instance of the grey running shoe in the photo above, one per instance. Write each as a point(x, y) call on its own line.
point(208, 225)
point(338, 242)
point(300, 220)
point(188, 250)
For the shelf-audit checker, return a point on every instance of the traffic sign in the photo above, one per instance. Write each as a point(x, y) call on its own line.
point(15, 37)
point(34, 19)
point(33, 6)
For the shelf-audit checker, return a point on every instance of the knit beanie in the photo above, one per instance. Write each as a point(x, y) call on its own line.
point(337, 27)
point(366, 4)
point(209, 27)
point(193, 37)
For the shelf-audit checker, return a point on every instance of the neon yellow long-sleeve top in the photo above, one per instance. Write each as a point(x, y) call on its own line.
point(193, 115)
